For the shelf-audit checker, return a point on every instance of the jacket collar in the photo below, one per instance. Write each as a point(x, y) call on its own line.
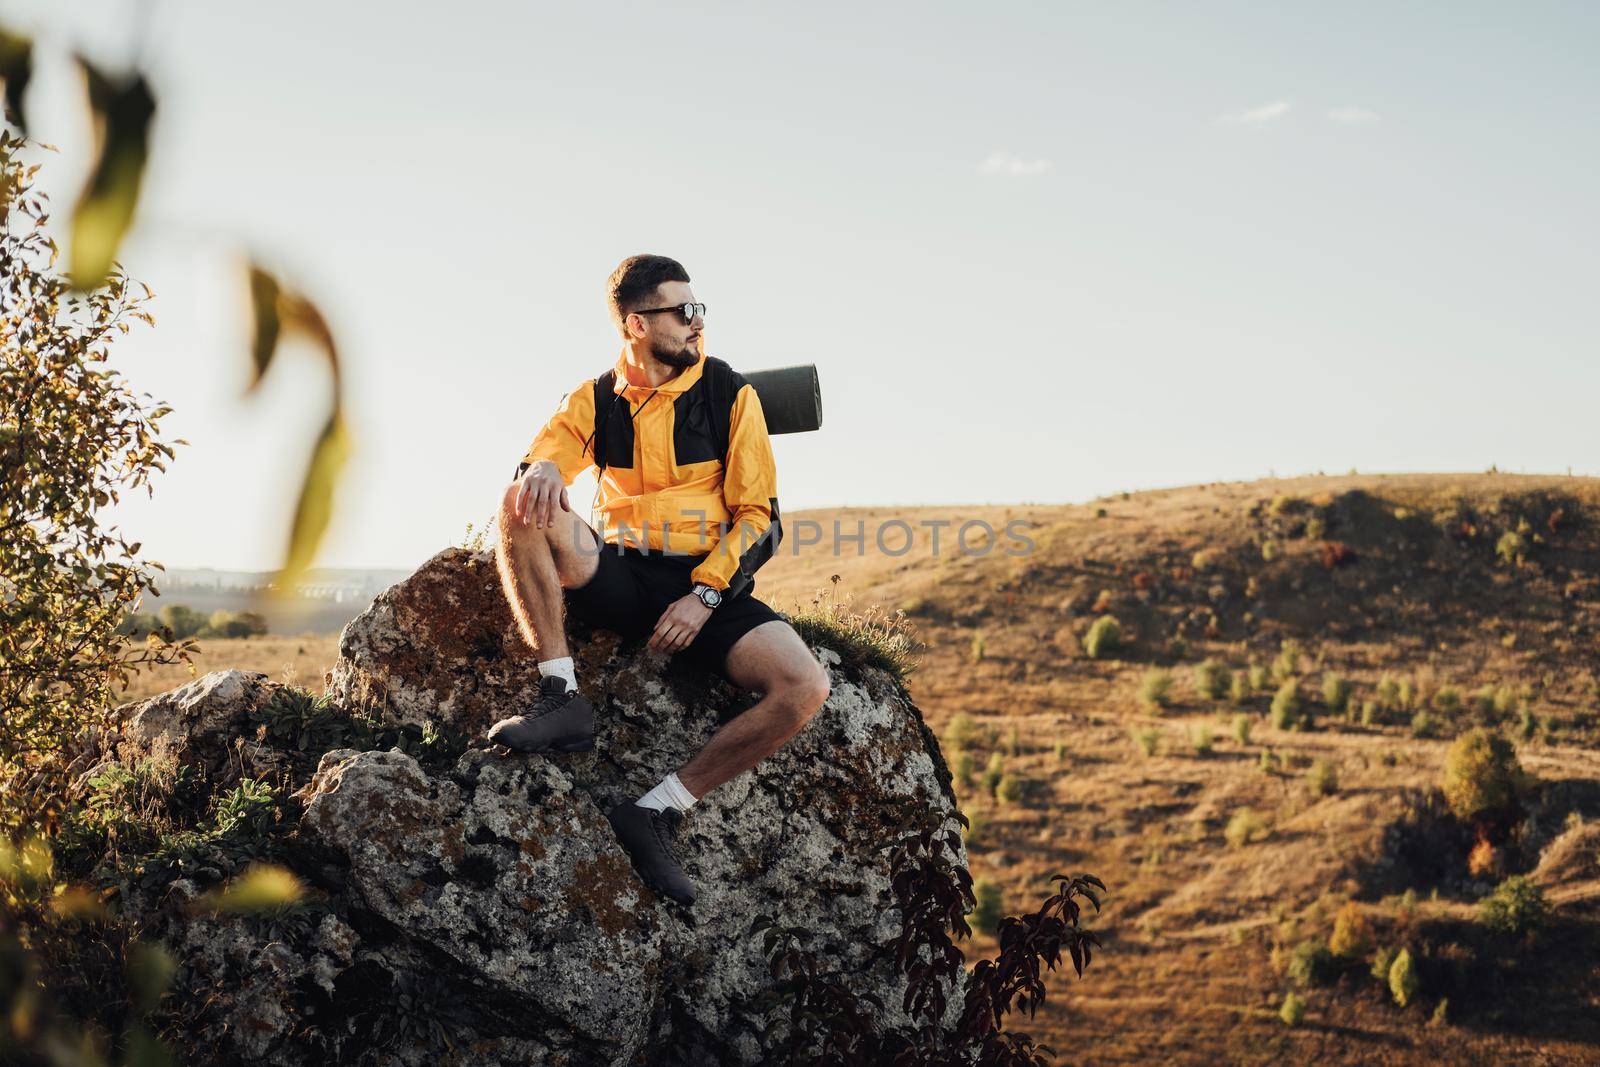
point(683, 381)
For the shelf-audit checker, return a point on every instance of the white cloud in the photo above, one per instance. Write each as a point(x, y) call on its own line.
point(1006, 163)
point(1255, 116)
point(1352, 116)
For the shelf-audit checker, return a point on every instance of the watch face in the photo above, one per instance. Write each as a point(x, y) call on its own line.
point(711, 598)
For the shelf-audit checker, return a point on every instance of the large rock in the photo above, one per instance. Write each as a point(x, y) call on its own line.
point(486, 894)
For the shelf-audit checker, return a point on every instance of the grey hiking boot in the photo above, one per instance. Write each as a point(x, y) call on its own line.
point(645, 835)
point(559, 721)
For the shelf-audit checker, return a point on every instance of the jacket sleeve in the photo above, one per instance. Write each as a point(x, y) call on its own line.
point(750, 489)
point(567, 439)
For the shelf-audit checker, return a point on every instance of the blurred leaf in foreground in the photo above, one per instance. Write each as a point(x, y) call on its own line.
point(123, 112)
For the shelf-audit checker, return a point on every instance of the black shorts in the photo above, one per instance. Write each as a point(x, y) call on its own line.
point(632, 587)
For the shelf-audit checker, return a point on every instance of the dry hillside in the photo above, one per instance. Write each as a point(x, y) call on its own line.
point(1410, 576)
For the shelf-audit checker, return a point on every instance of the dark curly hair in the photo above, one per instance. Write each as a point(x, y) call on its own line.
point(633, 284)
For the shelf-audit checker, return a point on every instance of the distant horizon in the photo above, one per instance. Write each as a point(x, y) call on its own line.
point(409, 568)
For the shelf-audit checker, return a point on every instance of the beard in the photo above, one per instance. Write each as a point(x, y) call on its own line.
point(685, 354)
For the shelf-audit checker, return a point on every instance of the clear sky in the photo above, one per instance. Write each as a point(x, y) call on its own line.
point(1038, 252)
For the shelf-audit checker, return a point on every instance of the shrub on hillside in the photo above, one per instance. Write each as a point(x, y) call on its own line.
point(1335, 692)
point(181, 619)
point(1387, 694)
point(1322, 777)
point(1285, 706)
point(233, 624)
point(1104, 637)
point(1258, 678)
point(1287, 662)
point(1482, 777)
point(1284, 504)
point(960, 732)
point(1200, 737)
point(1238, 688)
point(989, 906)
point(1447, 700)
point(1010, 789)
point(975, 651)
point(1155, 689)
point(1146, 739)
point(962, 766)
point(1241, 728)
point(1423, 724)
point(1383, 961)
point(1352, 933)
point(993, 773)
point(1512, 548)
point(1310, 963)
point(1293, 1010)
point(1244, 828)
point(1211, 679)
point(1483, 703)
point(1485, 861)
point(1516, 907)
point(1404, 982)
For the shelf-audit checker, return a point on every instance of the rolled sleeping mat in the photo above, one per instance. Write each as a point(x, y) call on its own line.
point(791, 397)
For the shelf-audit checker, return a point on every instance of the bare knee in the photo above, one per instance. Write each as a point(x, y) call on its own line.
point(803, 692)
point(514, 528)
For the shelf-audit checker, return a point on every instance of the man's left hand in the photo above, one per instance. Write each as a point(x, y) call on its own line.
point(679, 624)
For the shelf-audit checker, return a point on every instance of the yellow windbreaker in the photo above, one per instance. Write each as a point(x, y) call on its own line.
point(661, 502)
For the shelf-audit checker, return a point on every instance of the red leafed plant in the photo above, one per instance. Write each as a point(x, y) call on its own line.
point(829, 1023)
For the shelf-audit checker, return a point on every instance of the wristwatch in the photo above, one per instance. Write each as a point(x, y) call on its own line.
point(708, 596)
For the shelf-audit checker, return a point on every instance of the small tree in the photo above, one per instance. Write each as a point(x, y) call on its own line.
point(1352, 934)
point(73, 438)
point(1241, 728)
point(1482, 777)
point(1404, 984)
point(1285, 705)
point(1335, 692)
point(1155, 689)
point(1516, 907)
point(1103, 638)
point(1322, 777)
point(1211, 679)
point(990, 905)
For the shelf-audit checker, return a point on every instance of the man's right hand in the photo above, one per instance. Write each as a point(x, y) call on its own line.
point(538, 492)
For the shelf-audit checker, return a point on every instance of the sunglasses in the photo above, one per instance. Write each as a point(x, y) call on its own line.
point(688, 311)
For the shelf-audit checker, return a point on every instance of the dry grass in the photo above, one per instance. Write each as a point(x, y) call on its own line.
point(301, 660)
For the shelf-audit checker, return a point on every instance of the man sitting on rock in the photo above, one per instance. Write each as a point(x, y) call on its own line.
point(688, 497)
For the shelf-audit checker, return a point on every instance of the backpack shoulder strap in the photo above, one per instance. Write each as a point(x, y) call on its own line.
point(722, 389)
point(604, 396)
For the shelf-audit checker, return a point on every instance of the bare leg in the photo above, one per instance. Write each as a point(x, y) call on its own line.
point(536, 564)
point(772, 660)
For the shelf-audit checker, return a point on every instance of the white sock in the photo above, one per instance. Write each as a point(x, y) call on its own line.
point(669, 794)
point(560, 668)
